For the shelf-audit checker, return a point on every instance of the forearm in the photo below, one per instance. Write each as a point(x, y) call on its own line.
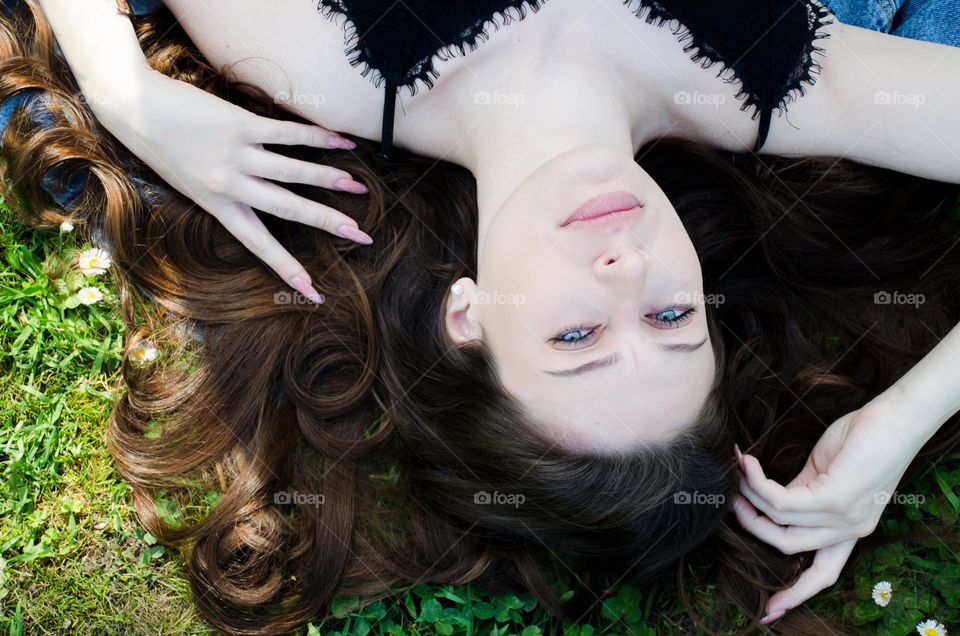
point(931, 389)
point(100, 45)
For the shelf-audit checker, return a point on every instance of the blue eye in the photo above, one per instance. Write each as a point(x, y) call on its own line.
point(671, 318)
point(574, 336)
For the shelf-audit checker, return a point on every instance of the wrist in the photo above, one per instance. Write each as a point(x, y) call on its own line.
point(115, 89)
point(919, 414)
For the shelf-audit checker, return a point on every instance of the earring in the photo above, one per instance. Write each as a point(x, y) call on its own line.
point(457, 289)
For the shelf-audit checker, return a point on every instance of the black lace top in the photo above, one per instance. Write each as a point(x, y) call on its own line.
point(766, 45)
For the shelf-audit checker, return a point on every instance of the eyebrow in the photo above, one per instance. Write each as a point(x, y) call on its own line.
point(615, 358)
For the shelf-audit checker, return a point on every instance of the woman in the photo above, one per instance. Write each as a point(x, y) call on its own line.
point(458, 435)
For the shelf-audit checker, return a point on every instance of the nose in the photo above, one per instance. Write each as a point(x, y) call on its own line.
point(623, 263)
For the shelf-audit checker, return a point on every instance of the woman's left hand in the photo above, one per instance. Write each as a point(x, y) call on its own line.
point(837, 498)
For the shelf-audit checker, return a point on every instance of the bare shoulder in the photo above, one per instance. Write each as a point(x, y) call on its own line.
point(880, 99)
point(713, 107)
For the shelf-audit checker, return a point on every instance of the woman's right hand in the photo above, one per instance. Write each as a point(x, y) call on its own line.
point(212, 152)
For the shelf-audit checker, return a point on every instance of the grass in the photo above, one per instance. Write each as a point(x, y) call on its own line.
point(74, 560)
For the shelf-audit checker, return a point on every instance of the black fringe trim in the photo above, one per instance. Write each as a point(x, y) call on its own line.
point(424, 71)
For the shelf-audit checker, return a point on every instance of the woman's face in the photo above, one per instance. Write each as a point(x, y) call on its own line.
point(597, 323)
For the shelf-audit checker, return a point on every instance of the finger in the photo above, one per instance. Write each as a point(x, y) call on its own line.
point(796, 499)
point(264, 130)
point(270, 165)
point(243, 224)
point(827, 564)
point(807, 474)
point(277, 200)
point(815, 518)
point(787, 539)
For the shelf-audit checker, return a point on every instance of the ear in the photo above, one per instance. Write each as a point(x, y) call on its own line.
point(460, 317)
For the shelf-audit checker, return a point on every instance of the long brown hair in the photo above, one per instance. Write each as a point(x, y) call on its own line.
point(420, 458)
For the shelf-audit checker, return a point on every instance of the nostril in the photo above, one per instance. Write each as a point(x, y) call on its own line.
point(610, 261)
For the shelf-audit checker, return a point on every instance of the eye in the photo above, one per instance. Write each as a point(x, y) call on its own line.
point(673, 317)
point(574, 337)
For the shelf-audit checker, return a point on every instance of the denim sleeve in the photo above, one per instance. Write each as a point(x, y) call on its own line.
point(876, 15)
point(929, 20)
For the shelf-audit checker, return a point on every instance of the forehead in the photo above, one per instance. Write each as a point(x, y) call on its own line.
point(636, 401)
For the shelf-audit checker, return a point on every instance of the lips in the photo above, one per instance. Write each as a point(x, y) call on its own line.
point(610, 204)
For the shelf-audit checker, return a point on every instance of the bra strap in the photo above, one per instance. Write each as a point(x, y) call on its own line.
point(389, 106)
point(764, 128)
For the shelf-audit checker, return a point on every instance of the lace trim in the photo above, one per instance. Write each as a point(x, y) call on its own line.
point(706, 56)
point(651, 11)
point(424, 69)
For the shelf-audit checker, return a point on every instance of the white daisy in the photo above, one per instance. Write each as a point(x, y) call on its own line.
point(93, 261)
point(931, 627)
point(65, 227)
point(143, 352)
point(882, 592)
point(89, 295)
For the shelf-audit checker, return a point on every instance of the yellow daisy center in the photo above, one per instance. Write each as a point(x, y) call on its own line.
point(930, 631)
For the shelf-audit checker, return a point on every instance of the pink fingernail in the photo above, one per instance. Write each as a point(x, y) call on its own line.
point(347, 184)
point(354, 234)
point(739, 457)
point(303, 286)
point(769, 618)
point(341, 143)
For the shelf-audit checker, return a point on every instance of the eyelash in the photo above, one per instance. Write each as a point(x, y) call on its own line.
point(592, 331)
point(679, 320)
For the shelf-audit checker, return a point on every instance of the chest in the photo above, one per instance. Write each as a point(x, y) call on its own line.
point(297, 55)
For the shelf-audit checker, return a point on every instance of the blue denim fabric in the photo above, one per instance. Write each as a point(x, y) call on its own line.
point(930, 20)
point(143, 7)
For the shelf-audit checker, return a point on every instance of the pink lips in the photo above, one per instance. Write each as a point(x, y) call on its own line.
point(602, 206)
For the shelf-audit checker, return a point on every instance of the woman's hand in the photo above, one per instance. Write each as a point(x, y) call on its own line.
point(212, 152)
point(837, 498)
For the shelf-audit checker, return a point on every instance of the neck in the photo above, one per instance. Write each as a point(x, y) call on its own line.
point(512, 135)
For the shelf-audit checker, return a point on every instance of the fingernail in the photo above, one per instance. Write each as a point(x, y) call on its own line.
point(739, 456)
point(769, 618)
point(347, 184)
point(303, 286)
point(341, 143)
point(354, 234)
